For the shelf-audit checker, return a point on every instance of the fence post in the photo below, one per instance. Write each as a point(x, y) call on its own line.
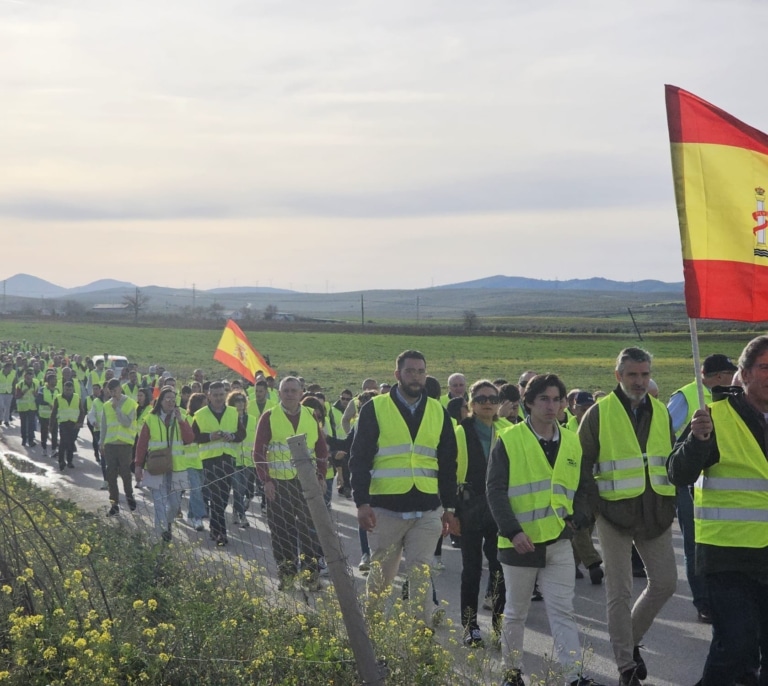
point(343, 582)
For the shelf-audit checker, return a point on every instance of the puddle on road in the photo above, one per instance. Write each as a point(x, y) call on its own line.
point(23, 465)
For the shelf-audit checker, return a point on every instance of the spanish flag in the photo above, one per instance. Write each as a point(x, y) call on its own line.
point(720, 168)
point(236, 352)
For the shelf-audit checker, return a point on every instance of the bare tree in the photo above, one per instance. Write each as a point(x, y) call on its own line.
point(270, 311)
point(136, 303)
point(471, 320)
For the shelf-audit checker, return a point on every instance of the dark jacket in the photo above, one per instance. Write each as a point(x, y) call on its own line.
point(365, 446)
point(649, 514)
point(689, 458)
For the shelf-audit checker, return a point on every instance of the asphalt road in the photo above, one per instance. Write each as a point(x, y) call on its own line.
point(675, 647)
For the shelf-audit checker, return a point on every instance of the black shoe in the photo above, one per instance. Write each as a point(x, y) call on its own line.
point(114, 510)
point(585, 681)
point(61, 466)
point(167, 536)
point(629, 678)
point(513, 677)
point(536, 595)
point(70, 465)
point(596, 574)
point(131, 503)
point(640, 669)
point(705, 616)
point(32, 444)
point(579, 573)
point(472, 637)
point(221, 540)
point(23, 444)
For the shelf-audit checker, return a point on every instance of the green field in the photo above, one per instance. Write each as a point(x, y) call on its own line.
point(339, 360)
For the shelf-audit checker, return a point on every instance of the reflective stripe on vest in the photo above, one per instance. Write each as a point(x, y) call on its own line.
point(116, 432)
point(45, 411)
point(400, 463)
point(621, 466)
point(540, 496)
point(278, 452)
point(731, 497)
point(69, 410)
point(26, 402)
point(6, 382)
point(208, 424)
point(158, 439)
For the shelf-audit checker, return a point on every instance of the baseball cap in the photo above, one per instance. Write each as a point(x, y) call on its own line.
point(718, 363)
point(584, 398)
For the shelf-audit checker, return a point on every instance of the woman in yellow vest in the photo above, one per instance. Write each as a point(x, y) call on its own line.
point(244, 476)
point(198, 499)
point(475, 436)
point(164, 426)
point(533, 474)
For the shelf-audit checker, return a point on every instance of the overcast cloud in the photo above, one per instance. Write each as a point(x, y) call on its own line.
point(374, 145)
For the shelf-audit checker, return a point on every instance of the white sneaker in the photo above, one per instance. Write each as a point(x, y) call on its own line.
point(197, 523)
point(365, 563)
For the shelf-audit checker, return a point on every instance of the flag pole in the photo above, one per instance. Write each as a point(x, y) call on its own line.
point(697, 362)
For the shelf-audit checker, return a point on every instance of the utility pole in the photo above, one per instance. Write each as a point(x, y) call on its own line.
point(362, 311)
point(193, 300)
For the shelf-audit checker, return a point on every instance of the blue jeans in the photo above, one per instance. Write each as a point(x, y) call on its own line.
point(196, 503)
point(739, 608)
point(242, 488)
point(698, 583)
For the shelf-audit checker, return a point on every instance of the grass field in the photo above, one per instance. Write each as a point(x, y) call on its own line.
point(337, 360)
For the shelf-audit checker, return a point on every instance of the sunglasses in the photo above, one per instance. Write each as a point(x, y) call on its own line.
point(486, 399)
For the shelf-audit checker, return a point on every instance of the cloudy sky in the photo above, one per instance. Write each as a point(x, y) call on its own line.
point(344, 144)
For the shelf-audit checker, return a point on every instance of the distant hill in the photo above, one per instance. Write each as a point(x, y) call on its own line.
point(32, 287)
point(100, 285)
point(246, 290)
point(594, 284)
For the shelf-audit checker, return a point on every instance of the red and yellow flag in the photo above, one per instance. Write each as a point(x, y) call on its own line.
point(720, 167)
point(236, 352)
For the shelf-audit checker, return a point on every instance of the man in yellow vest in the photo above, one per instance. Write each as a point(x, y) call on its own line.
point(68, 414)
point(457, 388)
point(118, 431)
point(533, 472)
point(350, 413)
point(288, 516)
point(724, 452)
point(403, 467)
point(625, 439)
point(25, 394)
point(7, 383)
point(716, 370)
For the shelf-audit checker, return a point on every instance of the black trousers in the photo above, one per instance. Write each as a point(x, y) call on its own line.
point(67, 436)
point(475, 544)
point(217, 473)
point(291, 528)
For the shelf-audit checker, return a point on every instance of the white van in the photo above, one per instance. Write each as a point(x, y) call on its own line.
point(114, 362)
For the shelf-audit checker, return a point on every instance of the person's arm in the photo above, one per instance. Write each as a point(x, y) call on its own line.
point(678, 410)
point(587, 496)
point(446, 463)
point(125, 418)
point(187, 435)
point(349, 415)
point(142, 447)
point(54, 411)
point(81, 415)
point(200, 436)
point(695, 451)
point(321, 455)
point(364, 447)
point(263, 438)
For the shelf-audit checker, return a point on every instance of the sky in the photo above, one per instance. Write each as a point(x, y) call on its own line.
point(352, 145)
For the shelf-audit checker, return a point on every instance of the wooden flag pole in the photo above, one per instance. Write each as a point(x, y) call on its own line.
point(697, 362)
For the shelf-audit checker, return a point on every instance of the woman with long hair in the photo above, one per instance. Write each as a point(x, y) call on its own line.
point(164, 425)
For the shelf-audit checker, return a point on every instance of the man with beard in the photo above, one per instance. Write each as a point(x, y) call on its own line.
point(403, 465)
point(626, 439)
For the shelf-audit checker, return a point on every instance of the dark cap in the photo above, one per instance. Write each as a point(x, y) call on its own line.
point(584, 398)
point(718, 363)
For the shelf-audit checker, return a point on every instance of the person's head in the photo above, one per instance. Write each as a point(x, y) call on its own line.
point(385, 388)
point(270, 381)
point(217, 396)
point(581, 403)
point(499, 382)
point(411, 372)
point(196, 387)
point(99, 364)
point(169, 381)
point(132, 377)
point(483, 400)
point(432, 387)
point(28, 375)
point(753, 369)
point(457, 385)
point(458, 409)
point(238, 400)
point(195, 402)
point(110, 374)
point(370, 385)
point(718, 370)
point(317, 407)
point(542, 396)
point(344, 398)
point(290, 393)
point(653, 388)
point(143, 397)
point(260, 390)
point(50, 381)
point(633, 372)
point(572, 397)
point(186, 391)
point(313, 388)
point(68, 389)
point(365, 396)
point(510, 393)
point(198, 375)
point(165, 401)
point(95, 389)
point(114, 388)
point(66, 373)
point(525, 377)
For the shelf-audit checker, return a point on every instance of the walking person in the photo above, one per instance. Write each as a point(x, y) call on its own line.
point(118, 430)
point(475, 437)
point(46, 396)
point(243, 478)
point(533, 474)
point(68, 415)
point(625, 439)
point(164, 426)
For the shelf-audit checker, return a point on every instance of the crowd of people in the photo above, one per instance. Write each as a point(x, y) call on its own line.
point(523, 474)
